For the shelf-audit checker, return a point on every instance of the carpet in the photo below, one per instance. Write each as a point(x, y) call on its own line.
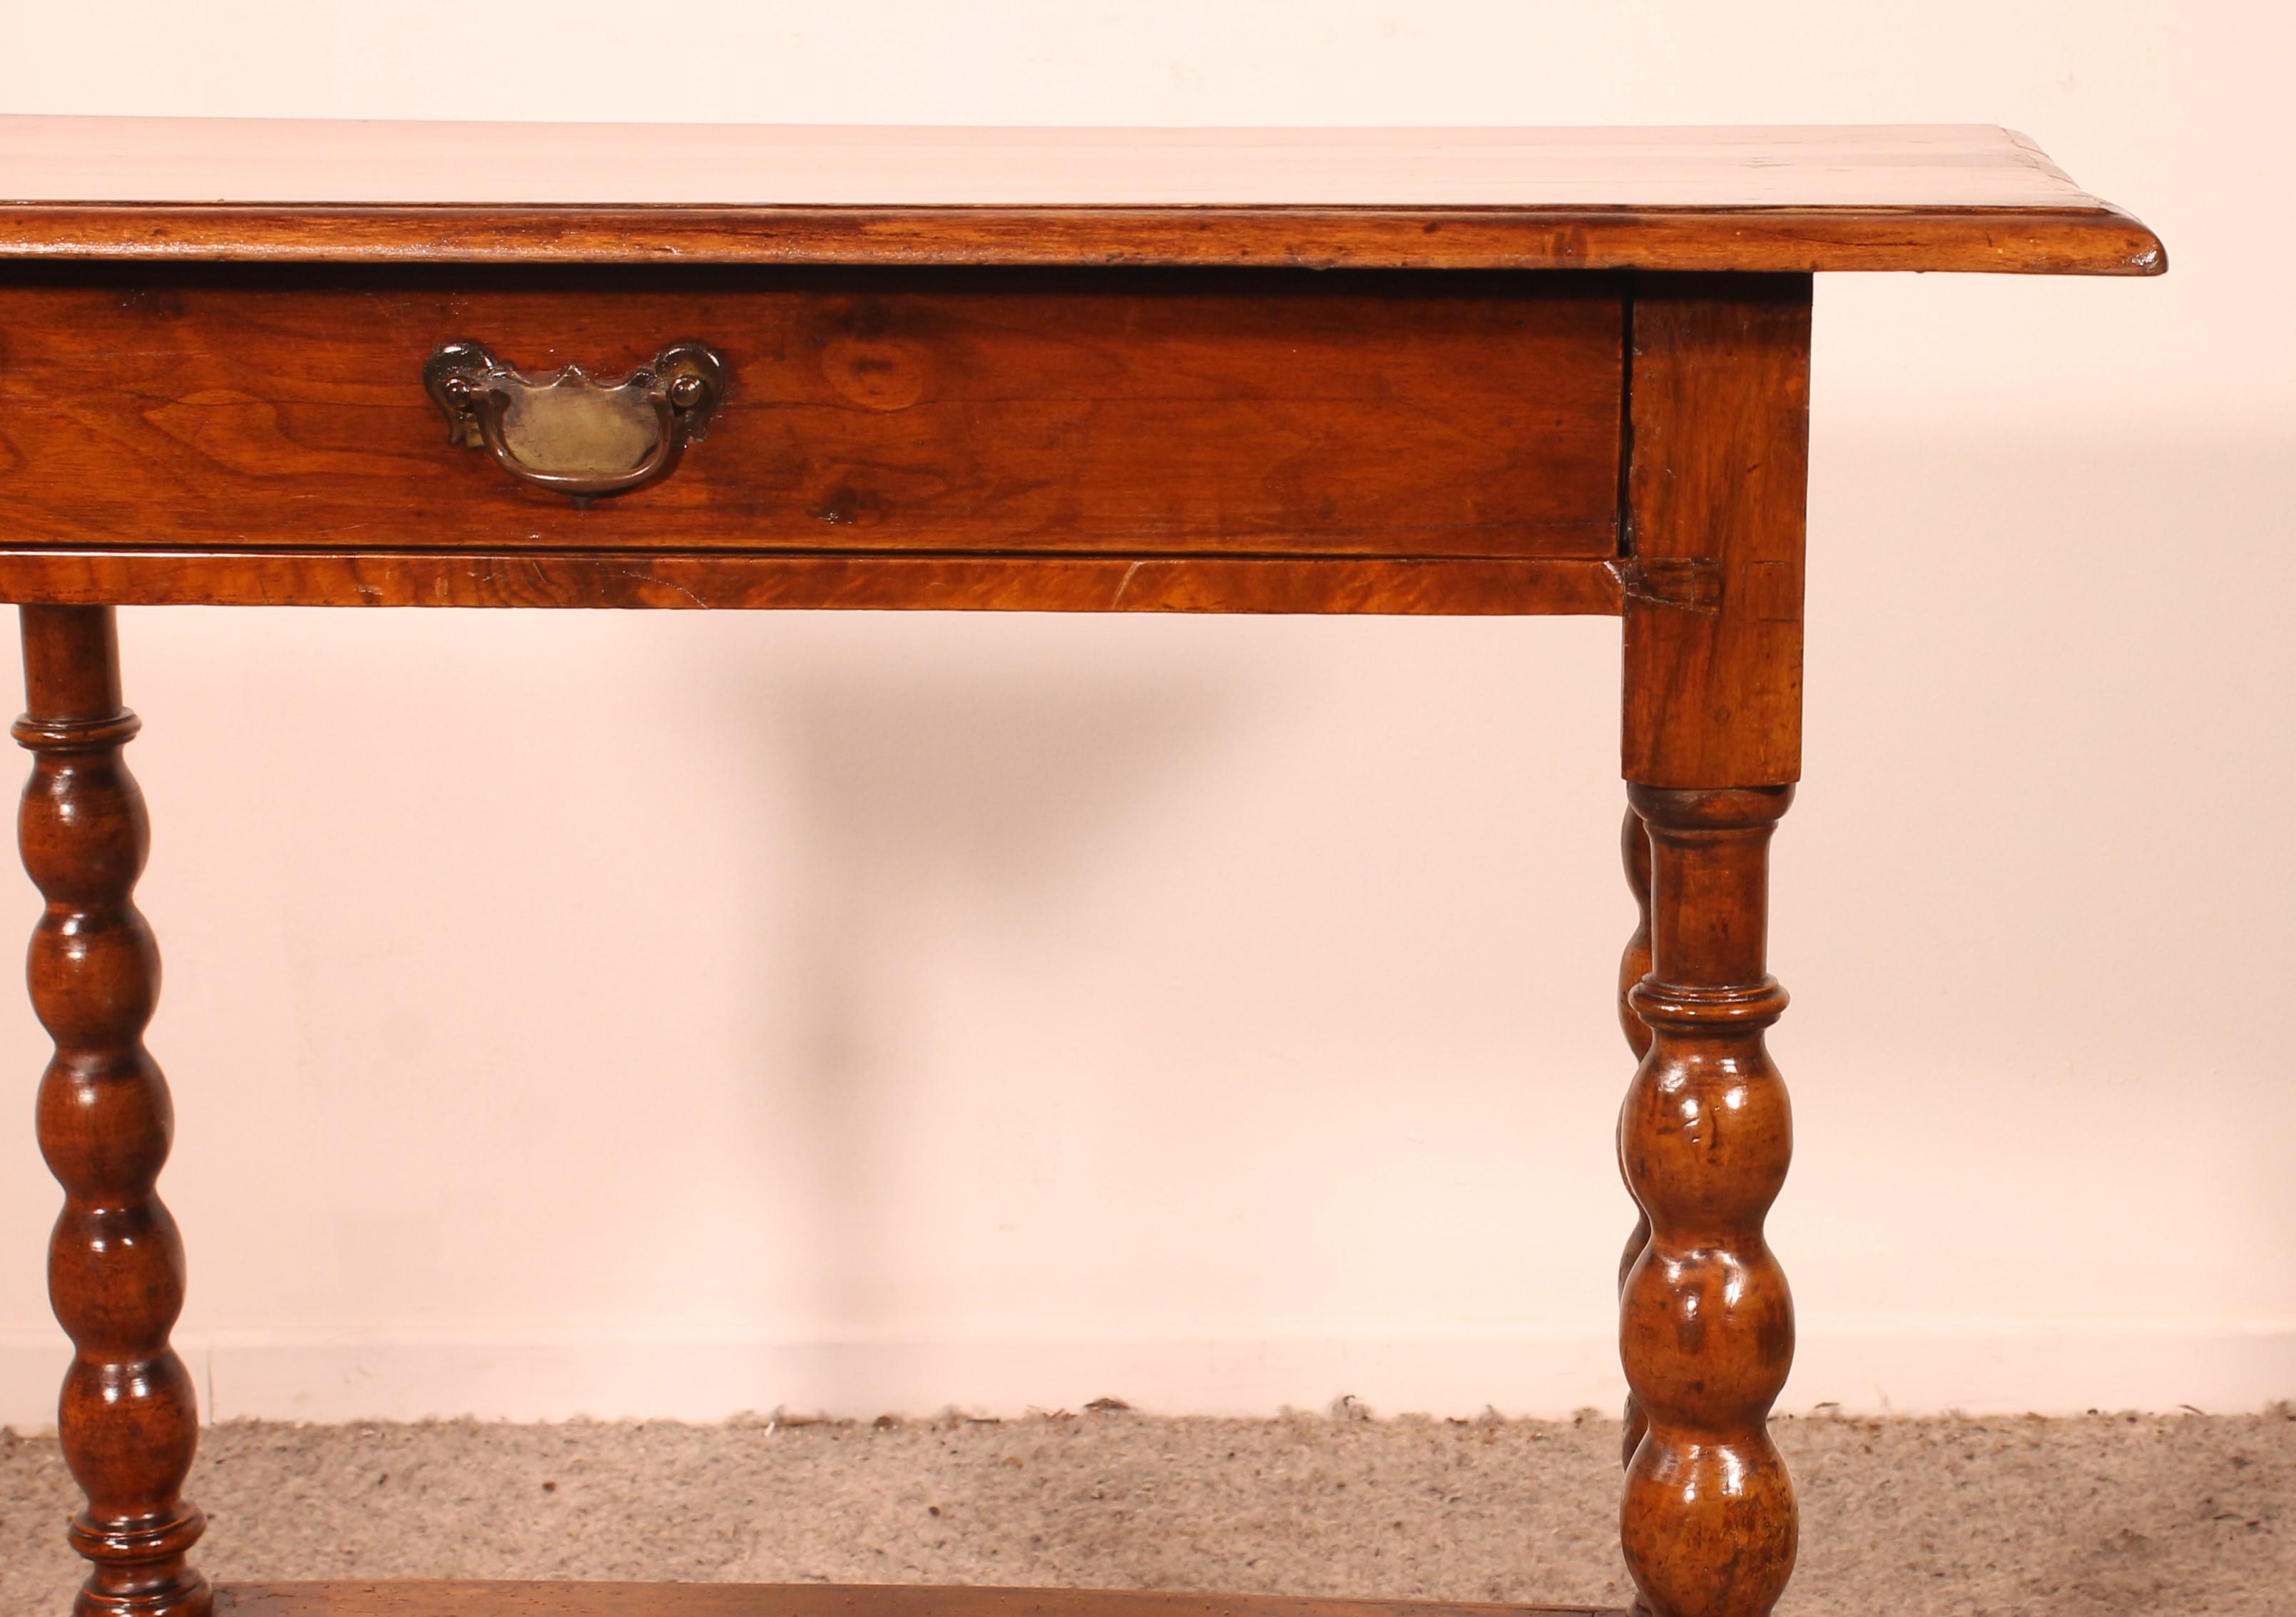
point(2103, 1516)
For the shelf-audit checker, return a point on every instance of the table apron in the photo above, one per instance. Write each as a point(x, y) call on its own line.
point(1147, 419)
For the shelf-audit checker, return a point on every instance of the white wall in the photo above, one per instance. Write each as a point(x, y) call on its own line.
point(667, 1015)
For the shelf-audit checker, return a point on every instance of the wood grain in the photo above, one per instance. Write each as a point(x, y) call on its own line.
point(1633, 965)
point(1046, 421)
point(1917, 197)
point(1717, 490)
point(74, 158)
point(453, 1599)
point(1999, 241)
point(666, 580)
point(128, 1419)
point(1122, 411)
point(1708, 1521)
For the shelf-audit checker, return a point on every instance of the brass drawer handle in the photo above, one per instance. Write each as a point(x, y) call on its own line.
point(565, 431)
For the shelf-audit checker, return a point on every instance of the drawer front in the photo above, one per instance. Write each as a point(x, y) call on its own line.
point(977, 413)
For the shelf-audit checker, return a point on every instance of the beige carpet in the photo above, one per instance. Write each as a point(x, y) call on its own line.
point(2110, 1517)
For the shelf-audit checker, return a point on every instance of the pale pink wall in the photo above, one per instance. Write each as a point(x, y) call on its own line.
point(670, 1014)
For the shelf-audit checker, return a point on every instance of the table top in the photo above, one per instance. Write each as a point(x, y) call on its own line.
point(1917, 197)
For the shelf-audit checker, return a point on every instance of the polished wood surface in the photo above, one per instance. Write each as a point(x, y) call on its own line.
point(464, 1600)
point(1715, 523)
point(1633, 965)
point(668, 580)
point(1094, 434)
point(196, 159)
point(1709, 1520)
point(1139, 413)
point(127, 1417)
point(2038, 242)
point(1917, 197)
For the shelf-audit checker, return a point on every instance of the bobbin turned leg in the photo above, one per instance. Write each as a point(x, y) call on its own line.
point(1634, 850)
point(1706, 1323)
point(127, 1417)
point(1715, 488)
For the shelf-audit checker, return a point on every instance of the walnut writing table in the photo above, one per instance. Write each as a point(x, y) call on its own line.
point(1271, 370)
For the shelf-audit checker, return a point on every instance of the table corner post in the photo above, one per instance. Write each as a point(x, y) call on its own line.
point(1714, 493)
point(127, 1416)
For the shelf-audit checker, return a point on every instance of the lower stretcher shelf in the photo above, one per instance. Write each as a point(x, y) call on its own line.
point(465, 1599)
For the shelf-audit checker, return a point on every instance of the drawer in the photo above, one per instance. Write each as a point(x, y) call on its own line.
point(956, 413)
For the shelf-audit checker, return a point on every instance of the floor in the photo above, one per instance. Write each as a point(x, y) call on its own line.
point(2106, 1516)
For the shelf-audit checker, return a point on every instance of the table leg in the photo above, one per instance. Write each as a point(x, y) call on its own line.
point(1706, 1322)
point(1633, 965)
point(127, 1416)
point(1715, 488)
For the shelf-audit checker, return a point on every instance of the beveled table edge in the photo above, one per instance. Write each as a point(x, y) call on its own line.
point(2072, 240)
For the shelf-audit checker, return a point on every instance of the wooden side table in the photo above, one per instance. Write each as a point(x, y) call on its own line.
point(1264, 371)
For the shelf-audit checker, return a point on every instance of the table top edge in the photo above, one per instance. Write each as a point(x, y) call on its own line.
point(2091, 238)
point(1918, 197)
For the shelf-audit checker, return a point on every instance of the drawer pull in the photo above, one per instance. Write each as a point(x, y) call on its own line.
point(567, 431)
